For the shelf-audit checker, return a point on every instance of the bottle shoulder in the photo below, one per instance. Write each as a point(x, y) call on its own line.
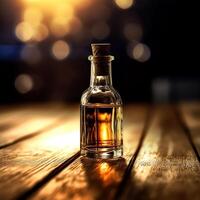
point(102, 95)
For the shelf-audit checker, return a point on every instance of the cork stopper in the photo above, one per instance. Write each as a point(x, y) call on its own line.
point(101, 49)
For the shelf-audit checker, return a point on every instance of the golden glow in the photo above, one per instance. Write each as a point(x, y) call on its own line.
point(60, 49)
point(104, 172)
point(68, 137)
point(39, 16)
point(104, 127)
point(108, 174)
point(104, 131)
point(124, 4)
point(104, 167)
point(29, 32)
point(24, 83)
point(24, 31)
point(104, 117)
point(59, 26)
point(40, 119)
point(26, 123)
point(64, 9)
point(54, 3)
point(65, 136)
point(41, 32)
point(33, 16)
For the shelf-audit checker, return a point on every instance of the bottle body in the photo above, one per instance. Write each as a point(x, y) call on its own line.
point(101, 130)
point(101, 114)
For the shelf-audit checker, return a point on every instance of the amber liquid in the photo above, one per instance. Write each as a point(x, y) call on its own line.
point(101, 130)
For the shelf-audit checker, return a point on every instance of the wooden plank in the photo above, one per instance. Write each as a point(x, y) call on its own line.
point(23, 164)
point(166, 167)
point(190, 113)
point(18, 123)
point(97, 179)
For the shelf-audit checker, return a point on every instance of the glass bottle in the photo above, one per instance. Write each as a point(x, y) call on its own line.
point(101, 113)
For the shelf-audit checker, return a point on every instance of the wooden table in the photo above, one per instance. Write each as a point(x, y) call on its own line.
point(40, 159)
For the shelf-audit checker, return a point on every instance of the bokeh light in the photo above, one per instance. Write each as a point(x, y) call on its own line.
point(141, 52)
point(24, 31)
point(24, 83)
point(29, 32)
point(138, 51)
point(58, 16)
point(100, 30)
point(124, 4)
point(60, 50)
point(133, 31)
point(48, 5)
point(40, 33)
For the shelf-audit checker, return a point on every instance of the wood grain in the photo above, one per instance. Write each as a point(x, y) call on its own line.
point(97, 179)
point(191, 117)
point(166, 167)
point(23, 164)
point(17, 123)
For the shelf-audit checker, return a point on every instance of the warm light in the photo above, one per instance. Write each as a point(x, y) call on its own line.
point(104, 131)
point(31, 54)
point(64, 136)
point(24, 83)
point(146, 163)
point(58, 16)
point(24, 31)
point(63, 9)
point(69, 138)
point(29, 32)
point(60, 49)
point(40, 33)
point(53, 2)
point(105, 173)
point(104, 127)
point(104, 117)
point(124, 4)
point(28, 123)
point(108, 173)
point(104, 168)
point(141, 52)
point(33, 16)
point(59, 26)
point(133, 31)
point(100, 30)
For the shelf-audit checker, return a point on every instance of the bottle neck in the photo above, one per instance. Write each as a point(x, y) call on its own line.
point(101, 73)
point(101, 70)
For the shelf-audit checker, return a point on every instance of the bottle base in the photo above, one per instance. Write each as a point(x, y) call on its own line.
point(103, 153)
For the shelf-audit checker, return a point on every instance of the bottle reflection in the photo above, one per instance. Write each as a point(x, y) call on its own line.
point(103, 175)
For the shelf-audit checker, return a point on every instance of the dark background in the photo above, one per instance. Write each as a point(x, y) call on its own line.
point(171, 74)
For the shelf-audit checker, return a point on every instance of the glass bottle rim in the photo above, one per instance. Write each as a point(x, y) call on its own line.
point(107, 58)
